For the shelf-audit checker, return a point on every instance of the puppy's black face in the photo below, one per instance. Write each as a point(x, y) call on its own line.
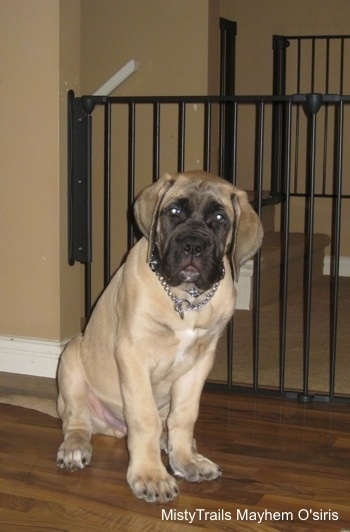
point(191, 241)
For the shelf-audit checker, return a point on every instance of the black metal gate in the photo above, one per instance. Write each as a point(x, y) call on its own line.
point(306, 64)
point(118, 144)
point(310, 64)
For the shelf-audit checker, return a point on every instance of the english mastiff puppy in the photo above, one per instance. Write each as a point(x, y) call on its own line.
point(140, 366)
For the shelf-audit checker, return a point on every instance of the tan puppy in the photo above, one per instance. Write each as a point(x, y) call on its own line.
point(139, 368)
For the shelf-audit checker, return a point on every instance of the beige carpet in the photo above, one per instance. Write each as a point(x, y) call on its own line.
point(268, 375)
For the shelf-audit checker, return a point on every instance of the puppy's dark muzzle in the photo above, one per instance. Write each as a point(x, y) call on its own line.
point(192, 251)
point(190, 256)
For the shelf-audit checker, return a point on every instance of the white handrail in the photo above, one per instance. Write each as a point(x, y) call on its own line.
point(117, 79)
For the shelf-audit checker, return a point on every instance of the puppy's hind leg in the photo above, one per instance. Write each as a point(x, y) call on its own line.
point(75, 451)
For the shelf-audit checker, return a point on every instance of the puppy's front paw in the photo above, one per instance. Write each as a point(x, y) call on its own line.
point(196, 469)
point(74, 454)
point(153, 485)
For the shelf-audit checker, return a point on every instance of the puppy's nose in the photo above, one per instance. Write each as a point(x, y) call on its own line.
point(193, 246)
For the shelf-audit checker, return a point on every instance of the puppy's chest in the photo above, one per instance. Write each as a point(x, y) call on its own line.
point(190, 344)
point(181, 353)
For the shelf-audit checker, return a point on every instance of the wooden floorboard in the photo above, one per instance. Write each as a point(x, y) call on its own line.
point(285, 464)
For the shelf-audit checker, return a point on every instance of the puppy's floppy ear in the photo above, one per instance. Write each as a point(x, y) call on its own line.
point(147, 206)
point(248, 231)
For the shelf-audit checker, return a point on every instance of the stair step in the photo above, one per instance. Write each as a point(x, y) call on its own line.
point(272, 242)
point(297, 251)
point(271, 266)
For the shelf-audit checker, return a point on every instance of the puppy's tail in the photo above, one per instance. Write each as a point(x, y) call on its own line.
point(40, 404)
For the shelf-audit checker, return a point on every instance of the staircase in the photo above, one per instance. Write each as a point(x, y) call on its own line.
point(271, 263)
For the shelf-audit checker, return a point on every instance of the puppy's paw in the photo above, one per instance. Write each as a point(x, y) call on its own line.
point(74, 454)
point(197, 469)
point(153, 486)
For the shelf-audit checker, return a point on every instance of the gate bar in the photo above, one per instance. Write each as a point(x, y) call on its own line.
point(334, 273)
point(107, 195)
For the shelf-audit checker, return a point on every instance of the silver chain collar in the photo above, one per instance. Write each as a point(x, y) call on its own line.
point(183, 305)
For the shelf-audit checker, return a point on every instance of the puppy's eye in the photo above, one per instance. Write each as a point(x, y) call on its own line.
point(174, 211)
point(219, 217)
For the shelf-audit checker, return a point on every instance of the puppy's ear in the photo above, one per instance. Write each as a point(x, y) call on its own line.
point(147, 207)
point(248, 231)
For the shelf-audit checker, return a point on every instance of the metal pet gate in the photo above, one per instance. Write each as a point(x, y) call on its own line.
point(114, 142)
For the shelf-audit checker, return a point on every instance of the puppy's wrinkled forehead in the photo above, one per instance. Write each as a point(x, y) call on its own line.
point(199, 194)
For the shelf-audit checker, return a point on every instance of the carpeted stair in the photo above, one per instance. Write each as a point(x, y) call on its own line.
point(271, 258)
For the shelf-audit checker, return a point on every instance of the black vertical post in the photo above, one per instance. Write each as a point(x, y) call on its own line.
point(207, 134)
point(79, 188)
point(156, 141)
point(285, 228)
point(258, 180)
point(280, 45)
point(228, 31)
point(181, 137)
point(313, 104)
point(336, 234)
point(107, 194)
point(79, 180)
point(131, 168)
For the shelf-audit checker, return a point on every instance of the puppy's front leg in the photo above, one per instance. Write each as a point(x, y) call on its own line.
point(183, 457)
point(147, 476)
point(75, 451)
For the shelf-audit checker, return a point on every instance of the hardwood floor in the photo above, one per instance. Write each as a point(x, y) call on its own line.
point(286, 467)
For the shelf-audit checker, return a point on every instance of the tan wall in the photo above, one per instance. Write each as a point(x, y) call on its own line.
point(42, 56)
point(31, 169)
point(169, 38)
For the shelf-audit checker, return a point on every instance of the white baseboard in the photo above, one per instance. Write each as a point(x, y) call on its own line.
point(344, 266)
point(29, 356)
